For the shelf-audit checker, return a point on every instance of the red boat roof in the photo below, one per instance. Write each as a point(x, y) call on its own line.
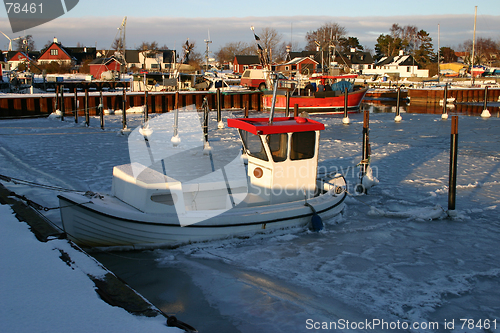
point(260, 126)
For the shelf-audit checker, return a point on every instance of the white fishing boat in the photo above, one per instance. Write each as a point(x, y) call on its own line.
point(273, 185)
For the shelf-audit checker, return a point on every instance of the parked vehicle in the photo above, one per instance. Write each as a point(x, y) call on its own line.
point(258, 79)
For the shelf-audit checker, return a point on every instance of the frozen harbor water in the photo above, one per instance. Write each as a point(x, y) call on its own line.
point(393, 256)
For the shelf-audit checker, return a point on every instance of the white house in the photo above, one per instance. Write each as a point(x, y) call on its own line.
point(402, 65)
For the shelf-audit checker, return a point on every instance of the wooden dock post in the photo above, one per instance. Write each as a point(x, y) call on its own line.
point(452, 188)
point(247, 106)
point(296, 110)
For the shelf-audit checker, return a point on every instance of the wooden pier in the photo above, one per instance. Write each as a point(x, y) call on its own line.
point(39, 105)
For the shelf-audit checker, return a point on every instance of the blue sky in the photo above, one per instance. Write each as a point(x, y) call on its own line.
point(170, 23)
point(231, 8)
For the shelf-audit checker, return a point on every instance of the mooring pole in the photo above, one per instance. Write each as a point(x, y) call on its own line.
point(444, 115)
point(101, 110)
point(287, 110)
point(124, 109)
point(445, 98)
point(366, 144)
point(86, 106)
point(398, 117)
point(62, 103)
point(176, 100)
point(485, 107)
point(76, 106)
point(452, 188)
point(485, 113)
point(145, 105)
point(345, 120)
point(398, 102)
point(247, 106)
point(57, 98)
point(219, 107)
point(205, 119)
point(360, 188)
point(296, 110)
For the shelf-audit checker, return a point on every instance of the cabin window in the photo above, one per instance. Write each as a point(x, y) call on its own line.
point(278, 144)
point(253, 145)
point(303, 145)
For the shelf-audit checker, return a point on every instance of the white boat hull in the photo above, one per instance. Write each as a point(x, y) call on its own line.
point(107, 221)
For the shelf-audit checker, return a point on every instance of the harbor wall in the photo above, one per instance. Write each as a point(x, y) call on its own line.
point(17, 106)
point(469, 95)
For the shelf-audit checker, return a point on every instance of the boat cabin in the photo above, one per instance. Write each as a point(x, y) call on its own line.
point(282, 157)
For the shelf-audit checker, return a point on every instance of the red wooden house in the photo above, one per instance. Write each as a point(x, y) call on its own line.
point(302, 65)
point(17, 59)
point(56, 53)
point(242, 62)
point(101, 65)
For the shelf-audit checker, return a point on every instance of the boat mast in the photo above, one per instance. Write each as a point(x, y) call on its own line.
point(473, 45)
point(439, 56)
point(207, 52)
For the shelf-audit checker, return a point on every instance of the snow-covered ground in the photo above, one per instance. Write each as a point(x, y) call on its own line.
point(393, 258)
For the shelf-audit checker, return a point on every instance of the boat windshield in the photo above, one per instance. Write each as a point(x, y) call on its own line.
point(303, 145)
point(278, 145)
point(253, 145)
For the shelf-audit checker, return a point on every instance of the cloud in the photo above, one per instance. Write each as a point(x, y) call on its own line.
point(454, 29)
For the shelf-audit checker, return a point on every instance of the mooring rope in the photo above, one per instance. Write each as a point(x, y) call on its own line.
point(18, 181)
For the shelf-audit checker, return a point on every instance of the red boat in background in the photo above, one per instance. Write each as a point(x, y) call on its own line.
point(321, 96)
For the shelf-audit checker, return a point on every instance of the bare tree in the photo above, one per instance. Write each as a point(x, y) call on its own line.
point(270, 39)
point(325, 36)
point(284, 49)
point(148, 50)
point(486, 51)
point(227, 52)
point(25, 42)
point(117, 44)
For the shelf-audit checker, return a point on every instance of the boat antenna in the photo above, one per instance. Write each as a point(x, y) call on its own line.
point(275, 89)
